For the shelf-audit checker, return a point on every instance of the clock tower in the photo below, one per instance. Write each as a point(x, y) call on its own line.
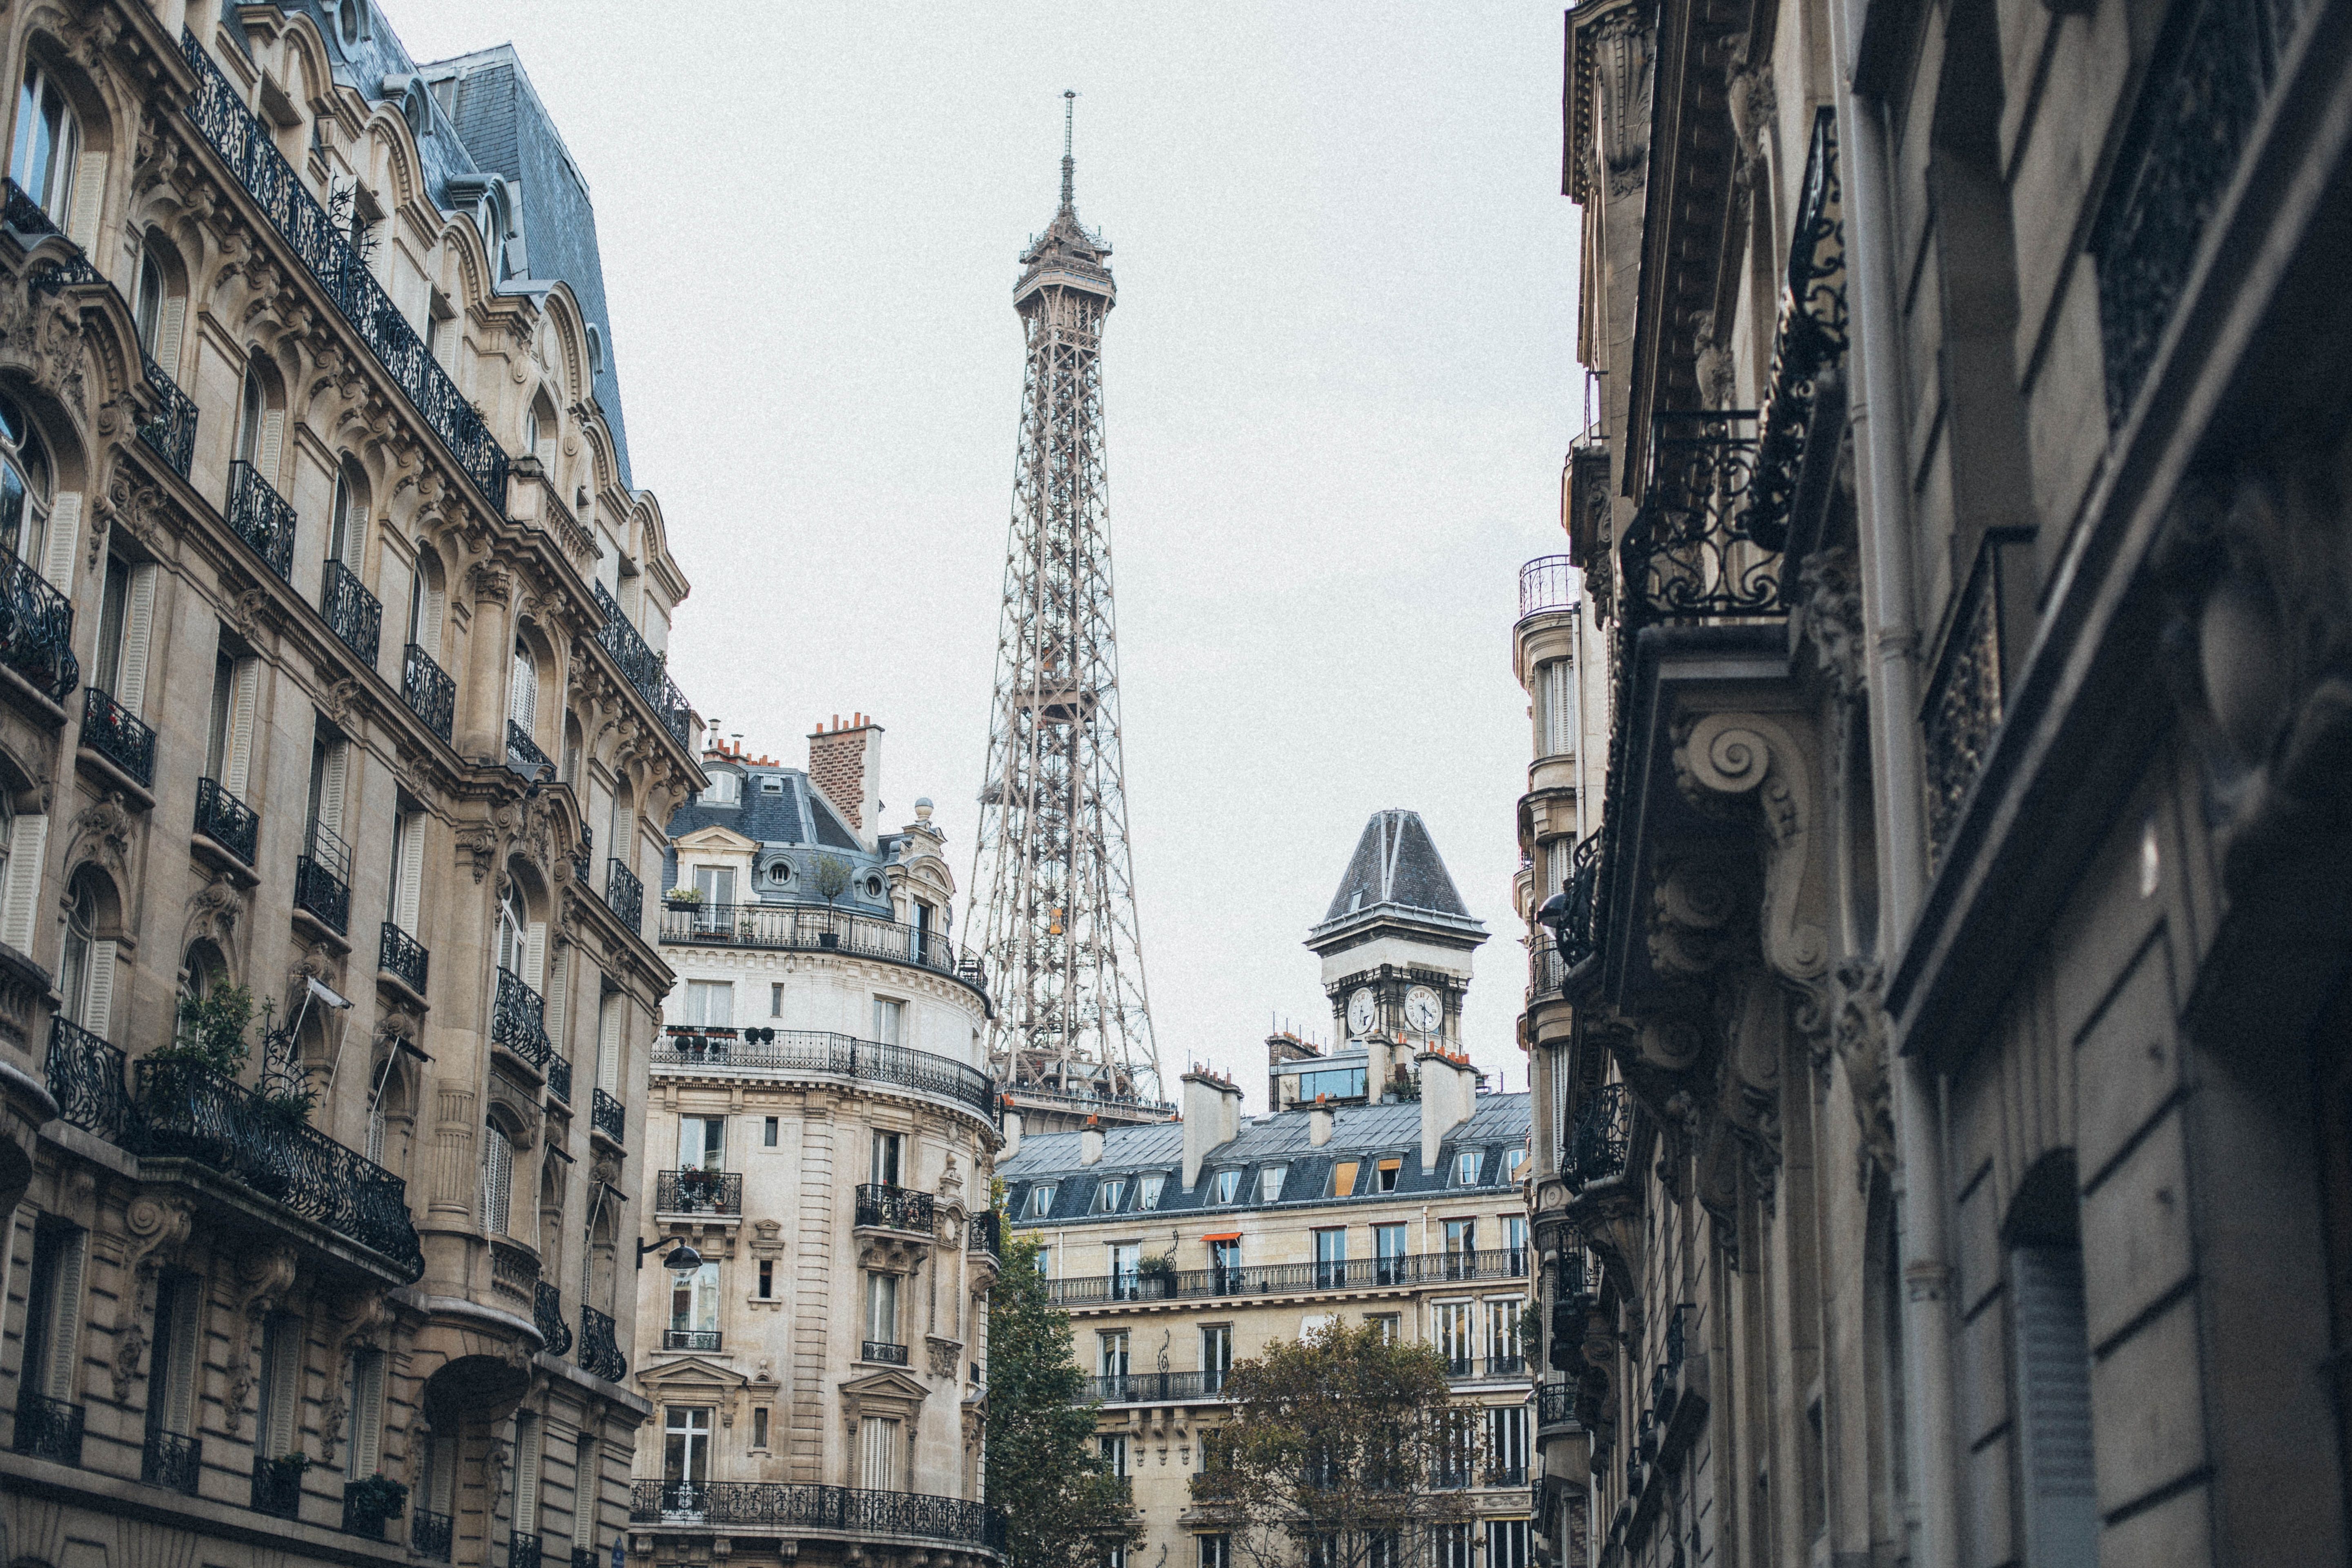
point(1396, 945)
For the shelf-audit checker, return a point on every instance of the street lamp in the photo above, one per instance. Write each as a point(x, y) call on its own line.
point(685, 1260)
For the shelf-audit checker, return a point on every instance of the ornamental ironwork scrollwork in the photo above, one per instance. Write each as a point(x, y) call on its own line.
point(1690, 552)
point(1605, 1132)
point(1811, 338)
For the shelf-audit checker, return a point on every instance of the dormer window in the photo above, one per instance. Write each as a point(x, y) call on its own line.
point(1109, 1195)
point(1269, 1183)
point(1388, 1170)
point(1465, 1168)
point(1228, 1185)
point(722, 790)
point(1041, 1200)
point(1147, 1195)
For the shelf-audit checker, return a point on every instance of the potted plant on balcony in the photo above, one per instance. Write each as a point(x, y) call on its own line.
point(211, 1033)
point(831, 878)
point(697, 1188)
point(372, 1500)
point(1157, 1274)
point(682, 898)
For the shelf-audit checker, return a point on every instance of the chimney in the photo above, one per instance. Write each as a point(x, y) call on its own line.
point(1090, 1143)
point(1011, 1130)
point(845, 763)
point(1447, 1088)
point(1318, 1126)
point(1211, 1115)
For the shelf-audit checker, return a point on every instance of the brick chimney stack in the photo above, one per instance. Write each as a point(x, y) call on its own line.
point(845, 763)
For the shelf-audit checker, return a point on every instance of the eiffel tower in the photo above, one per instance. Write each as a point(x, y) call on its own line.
point(1072, 1031)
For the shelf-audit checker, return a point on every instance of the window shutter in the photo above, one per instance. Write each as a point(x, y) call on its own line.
point(2060, 1522)
point(534, 957)
point(242, 704)
point(557, 1013)
point(523, 708)
point(65, 534)
point(21, 896)
point(526, 1482)
point(98, 1013)
point(88, 198)
point(412, 871)
point(498, 1180)
point(179, 1409)
point(273, 442)
point(428, 635)
point(331, 787)
point(138, 632)
point(608, 1045)
point(64, 1316)
point(367, 1413)
point(168, 332)
point(285, 1386)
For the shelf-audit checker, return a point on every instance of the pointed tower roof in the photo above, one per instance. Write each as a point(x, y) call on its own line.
point(1067, 254)
point(1396, 886)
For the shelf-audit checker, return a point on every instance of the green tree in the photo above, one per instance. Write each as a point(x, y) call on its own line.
point(1044, 1475)
point(1344, 1449)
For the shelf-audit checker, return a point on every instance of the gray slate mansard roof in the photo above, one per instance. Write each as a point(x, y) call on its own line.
point(1497, 1122)
point(496, 125)
point(796, 819)
point(1396, 864)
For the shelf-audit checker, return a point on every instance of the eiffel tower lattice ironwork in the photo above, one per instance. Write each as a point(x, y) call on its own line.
point(1065, 960)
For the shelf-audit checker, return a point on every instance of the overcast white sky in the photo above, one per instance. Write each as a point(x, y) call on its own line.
point(1338, 384)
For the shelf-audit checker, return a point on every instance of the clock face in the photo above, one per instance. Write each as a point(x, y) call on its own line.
point(1422, 1010)
point(1360, 1011)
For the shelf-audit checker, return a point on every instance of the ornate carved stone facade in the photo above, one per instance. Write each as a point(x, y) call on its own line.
point(330, 677)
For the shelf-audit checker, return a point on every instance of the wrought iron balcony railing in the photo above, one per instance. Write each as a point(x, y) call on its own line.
point(428, 689)
point(624, 895)
point(689, 1339)
point(1547, 970)
point(1152, 1387)
point(558, 1076)
point(795, 1505)
point(608, 1116)
point(547, 1316)
point(278, 1486)
point(1289, 1279)
point(523, 752)
point(1575, 933)
point(86, 1078)
point(108, 729)
point(523, 1550)
point(321, 880)
point(354, 614)
point(402, 957)
point(641, 666)
point(810, 928)
point(261, 516)
point(518, 1020)
point(48, 1429)
point(1547, 584)
point(365, 1510)
point(987, 1234)
point(172, 1461)
point(884, 1351)
point(1555, 1405)
point(893, 1208)
point(185, 1112)
point(36, 629)
point(697, 1191)
point(430, 1535)
point(1811, 334)
point(806, 1050)
point(600, 1353)
point(172, 434)
point(1693, 550)
point(226, 820)
point(1604, 1131)
point(248, 147)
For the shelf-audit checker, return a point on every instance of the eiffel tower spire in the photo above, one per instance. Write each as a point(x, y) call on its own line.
point(1071, 1031)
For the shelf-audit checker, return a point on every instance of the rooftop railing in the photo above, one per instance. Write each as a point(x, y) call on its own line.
point(697, 1047)
point(792, 1505)
point(1289, 1279)
point(1547, 584)
point(246, 145)
point(814, 928)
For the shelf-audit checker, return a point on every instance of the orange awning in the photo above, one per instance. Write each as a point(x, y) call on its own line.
point(1228, 1235)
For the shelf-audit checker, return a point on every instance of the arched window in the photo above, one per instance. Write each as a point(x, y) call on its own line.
point(424, 602)
point(513, 934)
point(540, 430)
point(523, 705)
point(81, 936)
point(48, 144)
point(498, 1180)
point(150, 309)
point(24, 489)
point(347, 525)
point(256, 441)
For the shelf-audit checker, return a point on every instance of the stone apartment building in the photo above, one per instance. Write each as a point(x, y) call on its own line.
point(331, 667)
point(820, 1134)
point(1384, 1187)
point(1948, 1032)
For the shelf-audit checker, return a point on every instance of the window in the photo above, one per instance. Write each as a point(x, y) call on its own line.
point(694, 1302)
point(48, 145)
point(275, 1434)
point(1516, 1161)
point(877, 1450)
point(1507, 1447)
point(347, 524)
point(1465, 1168)
point(1461, 1248)
point(1041, 1199)
point(1114, 1454)
point(769, 1131)
point(53, 1310)
point(710, 1003)
point(1216, 1552)
point(1109, 1194)
point(172, 1375)
point(522, 701)
point(1148, 1190)
point(1226, 1263)
point(1335, 1083)
point(404, 890)
point(889, 1020)
point(2050, 1378)
point(722, 790)
point(1555, 715)
point(685, 1443)
point(1228, 1183)
point(717, 885)
point(1331, 1259)
point(1515, 1241)
point(1391, 1326)
point(147, 313)
point(1269, 1183)
point(1457, 1332)
point(24, 489)
point(1507, 1538)
point(1343, 1179)
point(776, 1000)
point(513, 944)
point(527, 1438)
point(1387, 1246)
point(759, 1426)
point(1126, 1271)
point(767, 1279)
point(1503, 1355)
point(882, 1309)
point(498, 1180)
point(1387, 1170)
point(702, 1143)
point(74, 969)
point(1111, 1353)
point(889, 1148)
point(1216, 1356)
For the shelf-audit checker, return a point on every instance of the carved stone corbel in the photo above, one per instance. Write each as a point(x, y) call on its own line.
point(157, 1228)
point(261, 1282)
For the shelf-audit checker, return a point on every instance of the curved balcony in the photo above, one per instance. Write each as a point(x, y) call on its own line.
point(600, 1353)
point(1547, 584)
point(547, 1316)
point(1289, 1279)
point(227, 821)
point(817, 928)
point(691, 1047)
point(354, 614)
point(608, 1116)
point(792, 1507)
